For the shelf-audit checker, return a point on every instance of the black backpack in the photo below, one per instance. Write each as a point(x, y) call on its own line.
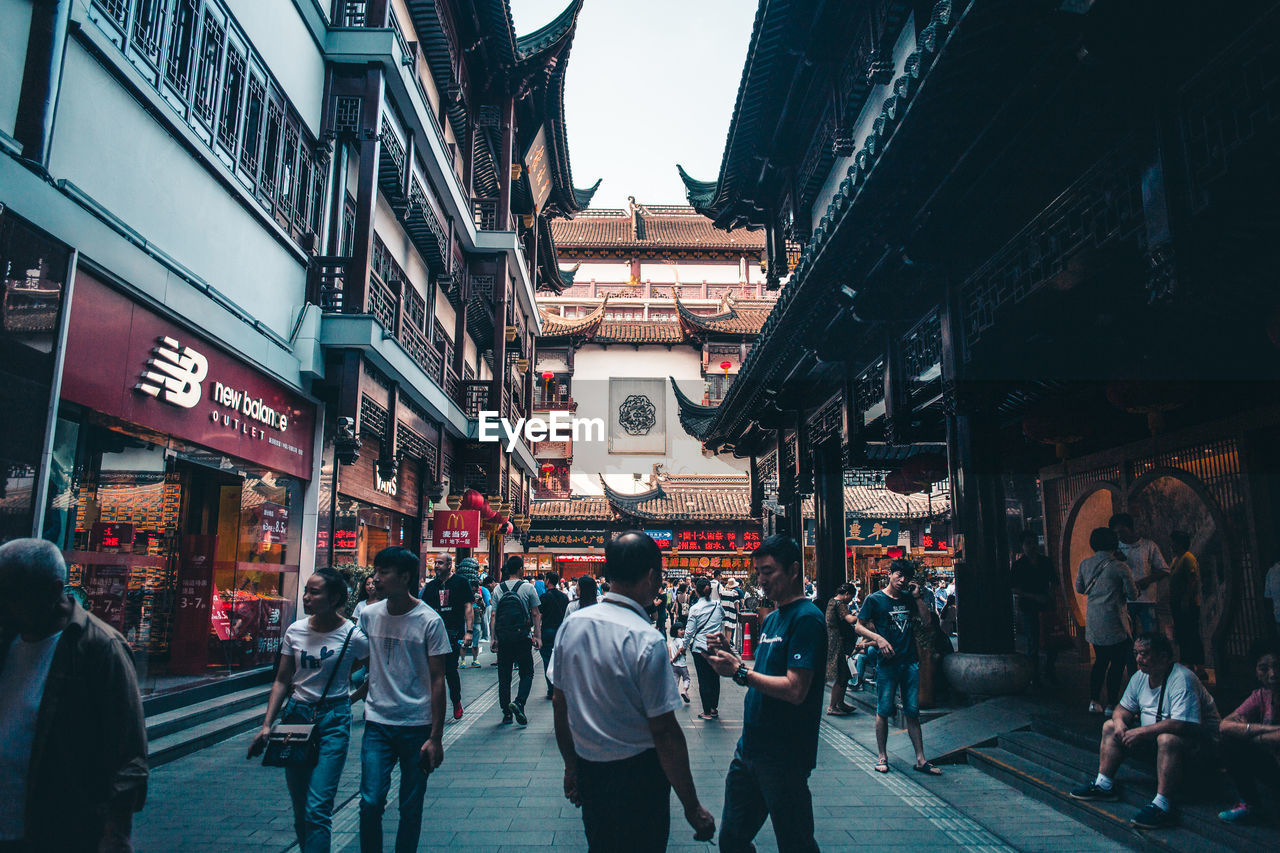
point(512, 619)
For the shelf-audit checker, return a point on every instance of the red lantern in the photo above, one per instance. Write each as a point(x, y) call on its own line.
point(725, 365)
point(900, 483)
point(1055, 422)
point(547, 468)
point(1150, 398)
point(471, 499)
point(548, 375)
point(926, 468)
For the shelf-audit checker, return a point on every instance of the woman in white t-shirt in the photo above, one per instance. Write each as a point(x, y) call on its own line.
point(317, 655)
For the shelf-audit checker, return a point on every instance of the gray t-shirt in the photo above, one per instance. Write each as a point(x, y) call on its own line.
point(527, 591)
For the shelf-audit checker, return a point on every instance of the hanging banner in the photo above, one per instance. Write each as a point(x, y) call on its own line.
point(567, 538)
point(455, 528)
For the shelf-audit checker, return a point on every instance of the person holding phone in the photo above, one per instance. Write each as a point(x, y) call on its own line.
point(889, 618)
point(313, 684)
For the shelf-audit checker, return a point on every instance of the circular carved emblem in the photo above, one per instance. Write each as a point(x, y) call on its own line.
point(637, 414)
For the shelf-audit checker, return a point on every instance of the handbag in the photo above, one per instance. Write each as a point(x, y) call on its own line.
point(299, 743)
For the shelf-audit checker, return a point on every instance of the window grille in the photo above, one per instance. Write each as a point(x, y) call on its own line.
point(346, 115)
point(148, 28)
point(210, 62)
point(232, 94)
point(288, 170)
point(250, 150)
point(271, 150)
point(116, 10)
point(182, 39)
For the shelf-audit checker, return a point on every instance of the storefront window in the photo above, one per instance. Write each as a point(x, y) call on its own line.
point(189, 553)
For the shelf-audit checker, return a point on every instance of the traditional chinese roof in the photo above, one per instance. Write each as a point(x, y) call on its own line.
point(650, 227)
point(639, 332)
point(585, 328)
point(578, 508)
point(733, 319)
point(694, 417)
point(686, 499)
point(872, 502)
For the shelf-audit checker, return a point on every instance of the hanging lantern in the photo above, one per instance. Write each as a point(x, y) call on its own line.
point(900, 483)
point(725, 365)
point(1056, 422)
point(471, 499)
point(1150, 398)
point(926, 468)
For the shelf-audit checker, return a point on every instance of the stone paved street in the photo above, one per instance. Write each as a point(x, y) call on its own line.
point(499, 790)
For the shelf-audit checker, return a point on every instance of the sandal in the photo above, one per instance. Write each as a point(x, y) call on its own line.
point(927, 768)
point(838, 712)
point(882, 766)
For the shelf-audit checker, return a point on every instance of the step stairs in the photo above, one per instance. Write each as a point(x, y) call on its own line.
point(1054, 757)
point(184, 721)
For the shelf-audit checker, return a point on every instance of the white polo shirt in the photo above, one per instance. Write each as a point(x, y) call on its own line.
point(612, 665)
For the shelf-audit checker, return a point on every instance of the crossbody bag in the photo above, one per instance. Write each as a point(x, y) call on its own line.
point(299, 743)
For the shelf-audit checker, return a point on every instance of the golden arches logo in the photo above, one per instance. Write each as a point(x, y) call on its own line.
point(455, 522)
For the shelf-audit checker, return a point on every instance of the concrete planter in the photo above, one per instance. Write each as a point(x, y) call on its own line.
point(987, 675)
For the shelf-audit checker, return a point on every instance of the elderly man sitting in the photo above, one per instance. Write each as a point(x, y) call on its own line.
point(1165, 712)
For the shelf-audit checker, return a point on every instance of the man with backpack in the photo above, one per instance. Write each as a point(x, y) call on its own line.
point(516, 630)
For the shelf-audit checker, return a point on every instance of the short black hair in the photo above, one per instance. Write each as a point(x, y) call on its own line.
point(784, 549)
point(1157, 642)
point(1103, 539)
point(400, 560)
point(715, 573)
point(552, 579)
point(631, 555)
point(677, 626)
point(335, 586)
point(512, 566)
point(1121, 519)
point(1180, 536)
point(702, 586)
point(844, 589)
point(1262, 648)
point(906, 568)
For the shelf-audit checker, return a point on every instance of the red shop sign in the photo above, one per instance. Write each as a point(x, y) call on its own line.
point(455, 528)
point(128, 362)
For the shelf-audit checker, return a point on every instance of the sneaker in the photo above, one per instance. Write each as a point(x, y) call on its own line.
point(1152, 816)
point(457, 710)
point(506, 719)
point(1239, 813)
point(516, 711)
point(1095, 708)
point(475, 664)
point(1093, 792)
point(685, 697)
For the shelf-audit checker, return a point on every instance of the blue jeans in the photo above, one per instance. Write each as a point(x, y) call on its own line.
point(381, 748)
point(756, 788)
point(893, 677)
point(313, 788)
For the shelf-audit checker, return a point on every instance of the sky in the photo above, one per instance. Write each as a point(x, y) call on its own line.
point(651, 83)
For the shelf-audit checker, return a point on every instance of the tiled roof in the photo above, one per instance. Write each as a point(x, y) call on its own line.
point(694, 416)
point(733, 320)
point(648, 227)
point(687, 499)
point(555, 326)
point(581, 508)
point(639, 332)
point(869, 502)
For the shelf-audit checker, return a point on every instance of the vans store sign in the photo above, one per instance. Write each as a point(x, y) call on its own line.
point(153, 373)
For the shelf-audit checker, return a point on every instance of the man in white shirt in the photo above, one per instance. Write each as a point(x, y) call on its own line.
point(1271, 591)
point(1166, 712)
point(615, 725)
point(1147, 568)
point(404, 709)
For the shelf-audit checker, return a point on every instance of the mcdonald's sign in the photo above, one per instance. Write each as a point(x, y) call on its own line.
point(455, 528)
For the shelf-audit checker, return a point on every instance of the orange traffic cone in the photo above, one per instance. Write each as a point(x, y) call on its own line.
point(748, 650)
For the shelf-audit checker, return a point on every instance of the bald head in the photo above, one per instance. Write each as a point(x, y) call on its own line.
point(32, 575)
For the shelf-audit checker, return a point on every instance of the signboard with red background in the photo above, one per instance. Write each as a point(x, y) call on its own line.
point(455, 528)
point(717, 539)
point(112, 346)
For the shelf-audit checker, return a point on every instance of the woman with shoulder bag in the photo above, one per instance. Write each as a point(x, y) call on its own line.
point(706, 619)
point(317, 655)
point(1107, 584)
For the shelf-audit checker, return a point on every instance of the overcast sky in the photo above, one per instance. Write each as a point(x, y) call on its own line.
point(650, 84)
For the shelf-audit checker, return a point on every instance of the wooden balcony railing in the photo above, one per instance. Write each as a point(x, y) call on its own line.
point(486, 213)
point(475, 397)
point(555, 404)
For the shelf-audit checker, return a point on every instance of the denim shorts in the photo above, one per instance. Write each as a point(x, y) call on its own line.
point(892, 677)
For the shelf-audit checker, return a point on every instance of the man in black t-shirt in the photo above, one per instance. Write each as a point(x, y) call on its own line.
point(889, 618)
point(553, 604)
point(1032, 580)
point(449, 593)
point(769, 776)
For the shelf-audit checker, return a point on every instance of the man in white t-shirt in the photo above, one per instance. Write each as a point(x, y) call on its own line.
point(1165, 712)
point(615, 699)
point(404, 709)
point(1147, 568)
point(1271, 591)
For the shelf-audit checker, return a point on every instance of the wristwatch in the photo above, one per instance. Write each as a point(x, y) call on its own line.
point(740, 676)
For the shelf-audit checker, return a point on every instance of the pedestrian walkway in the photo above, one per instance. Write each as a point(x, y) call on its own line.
point(499, 789)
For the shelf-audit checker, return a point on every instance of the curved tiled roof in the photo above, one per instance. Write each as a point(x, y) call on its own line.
point(673, 226)
point(581, 508)
point(694, 417)
point(733, 320)
point(555, 326)
point(688, 499)
point(639, 332)
point(871, 502)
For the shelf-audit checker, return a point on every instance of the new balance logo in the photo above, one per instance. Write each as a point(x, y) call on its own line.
point(176, 370)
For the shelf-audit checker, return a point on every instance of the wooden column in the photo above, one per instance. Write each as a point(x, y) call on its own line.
point(497, 386)
point(356, 283)
point(828, 502)
point(504, 166)
point(897, 409)
point(984, 605)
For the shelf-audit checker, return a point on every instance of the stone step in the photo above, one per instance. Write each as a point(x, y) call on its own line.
point(189, 716)
point(214, 687)
point(185, 741)
point(1111, 819)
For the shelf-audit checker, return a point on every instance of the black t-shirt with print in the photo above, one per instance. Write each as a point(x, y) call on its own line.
point(895, 619)
point(450, 600)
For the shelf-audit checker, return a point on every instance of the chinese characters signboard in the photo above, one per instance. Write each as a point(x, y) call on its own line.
point(455, 528)
point(718, 539)
point(662, 537)
point(869, 532)
point(567, 538)
point(539, 169)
